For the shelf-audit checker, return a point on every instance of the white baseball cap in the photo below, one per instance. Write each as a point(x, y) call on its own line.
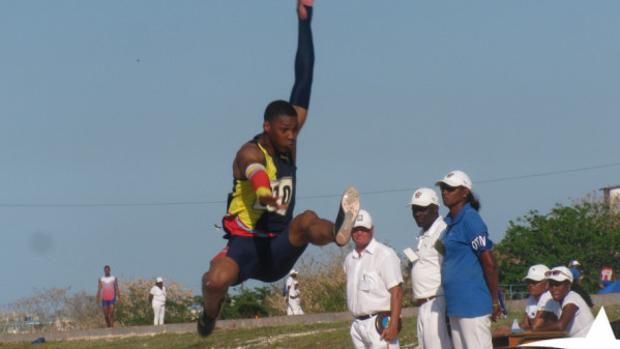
point(536, 272)
point(159, 279)
point(293, 272)
point(455, 179)
point(363, 220)
point(559, 274)
point(574, 263)
point(424, 197)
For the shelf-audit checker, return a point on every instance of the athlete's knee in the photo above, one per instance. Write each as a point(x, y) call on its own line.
point(304, 219)
point(221, 275)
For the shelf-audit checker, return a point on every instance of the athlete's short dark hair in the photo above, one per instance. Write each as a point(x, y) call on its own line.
point(279, 108)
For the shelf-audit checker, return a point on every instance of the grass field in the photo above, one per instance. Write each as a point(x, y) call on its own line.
point(324, 336)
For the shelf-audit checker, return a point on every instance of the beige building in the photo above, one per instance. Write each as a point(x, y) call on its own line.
point(612, 197)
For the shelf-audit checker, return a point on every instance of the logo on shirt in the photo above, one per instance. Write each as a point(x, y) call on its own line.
point(479, 242)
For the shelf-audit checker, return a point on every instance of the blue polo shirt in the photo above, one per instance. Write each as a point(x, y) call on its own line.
point(465, 288)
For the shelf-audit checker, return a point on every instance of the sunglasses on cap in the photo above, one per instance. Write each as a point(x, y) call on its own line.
point(556, 273)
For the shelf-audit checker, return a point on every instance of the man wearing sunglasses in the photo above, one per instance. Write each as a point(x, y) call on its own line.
point(374, 288)
point(432, 329)
point(574, 315)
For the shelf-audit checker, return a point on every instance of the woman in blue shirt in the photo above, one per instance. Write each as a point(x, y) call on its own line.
point(469, 273)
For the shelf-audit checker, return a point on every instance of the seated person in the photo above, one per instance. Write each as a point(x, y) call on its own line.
point(574, 315)
point(537, 308)
point(540, 305)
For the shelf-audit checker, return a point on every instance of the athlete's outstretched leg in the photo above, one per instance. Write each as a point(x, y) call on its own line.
point(223, 272)
point(309, 228)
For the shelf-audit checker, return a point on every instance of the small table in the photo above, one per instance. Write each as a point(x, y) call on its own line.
point(513, 340)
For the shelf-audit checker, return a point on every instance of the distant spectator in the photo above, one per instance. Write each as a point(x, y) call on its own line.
point(574, 315)
point(538, 309)
point(108, 293)
point(540, 306)
point(293, 294)
point(157, 298)
point(575, 270)
point(574, 267)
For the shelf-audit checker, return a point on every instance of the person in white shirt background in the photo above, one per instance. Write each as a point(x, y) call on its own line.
point(574, 315)
point(157, 298)
point(293, 299)
point(426, 260)
point(540, 306)
point(374, 288)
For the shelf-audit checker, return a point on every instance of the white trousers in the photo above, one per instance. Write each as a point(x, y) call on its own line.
point(365, 336)
point(471, 333)
point(432, 326)
point(294, 307)
point(158, 310)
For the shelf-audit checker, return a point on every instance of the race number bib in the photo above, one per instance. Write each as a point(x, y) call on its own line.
point(282, 190)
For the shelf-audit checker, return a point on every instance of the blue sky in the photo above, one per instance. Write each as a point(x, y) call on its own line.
point(120, 119)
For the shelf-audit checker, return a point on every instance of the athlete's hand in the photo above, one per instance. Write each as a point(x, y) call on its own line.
point(271, 203)
point(301, 10)
point(391, 332)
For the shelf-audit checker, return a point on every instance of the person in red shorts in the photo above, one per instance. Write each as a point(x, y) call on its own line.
point(108, 294)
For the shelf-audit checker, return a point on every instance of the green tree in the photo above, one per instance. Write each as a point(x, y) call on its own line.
point(248, 303)
point(586, 231)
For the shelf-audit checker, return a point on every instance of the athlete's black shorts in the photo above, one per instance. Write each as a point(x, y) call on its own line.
point(263, 258)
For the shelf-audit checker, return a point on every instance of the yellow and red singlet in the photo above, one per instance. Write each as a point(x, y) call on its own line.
point(246, 216)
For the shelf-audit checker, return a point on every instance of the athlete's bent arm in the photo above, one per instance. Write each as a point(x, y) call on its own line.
point(304, 63)
point(250, 164)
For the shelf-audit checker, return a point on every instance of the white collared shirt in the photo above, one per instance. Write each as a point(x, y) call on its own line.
point(159, 295)
point(370, 276)
point(426, 270)
point(293, 287)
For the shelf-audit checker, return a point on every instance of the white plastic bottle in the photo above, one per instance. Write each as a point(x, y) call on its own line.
point(515, 327)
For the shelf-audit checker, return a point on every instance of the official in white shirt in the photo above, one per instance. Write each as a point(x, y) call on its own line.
point(293, 299)
point(374, 288)
point(157, 298)
point(426, 261)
